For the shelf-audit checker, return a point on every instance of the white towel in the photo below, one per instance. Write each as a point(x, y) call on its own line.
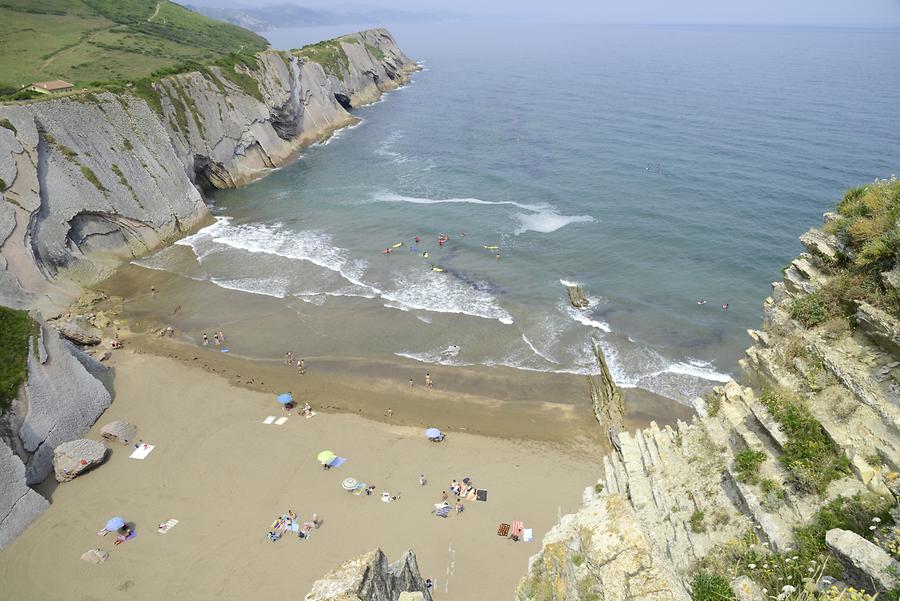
point(142, 451)
point(280, 421)
point(167, 526)
point(527, 535)
point(311, 413)
point(269, 420)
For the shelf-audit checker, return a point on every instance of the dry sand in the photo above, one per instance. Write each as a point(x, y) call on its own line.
point(225, 476)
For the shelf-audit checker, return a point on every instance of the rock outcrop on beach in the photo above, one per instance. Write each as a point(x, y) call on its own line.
point(119, 431)
point(370, 577)
point(90, 180)
point(73, 458)
point(811, 439)
point(19, 504)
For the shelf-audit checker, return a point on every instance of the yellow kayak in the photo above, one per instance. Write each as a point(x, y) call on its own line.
point(425, 255)
point(398, 245)
point(491, 247)
point(437, 269)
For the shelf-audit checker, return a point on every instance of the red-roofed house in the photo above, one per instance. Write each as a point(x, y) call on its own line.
point(51, 87)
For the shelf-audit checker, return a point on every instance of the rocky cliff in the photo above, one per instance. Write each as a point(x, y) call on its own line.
point(737, 504)
point(370, 577)
point(89, 180)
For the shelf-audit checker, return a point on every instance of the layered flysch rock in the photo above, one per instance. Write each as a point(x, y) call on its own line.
point(90, 180)
point(19, 505)
point(670, 497)
point(370, 577)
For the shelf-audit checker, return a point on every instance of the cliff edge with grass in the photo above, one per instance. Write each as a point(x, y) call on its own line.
point(786, 486)
point(91, 179)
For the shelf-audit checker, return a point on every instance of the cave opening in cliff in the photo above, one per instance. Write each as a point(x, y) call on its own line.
point(344, 101)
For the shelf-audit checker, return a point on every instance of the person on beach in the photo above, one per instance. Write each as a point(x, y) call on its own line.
point(411, 383)
point(205, 339)
point(429, 585)
point(289, 358)
point(216, 338)
point(428, 382)
point(459, 506)
point(301, 367)
point(221, 336)
point(422, 480)
point(390, 412)
point(444, 495)
point(315, 521)
point(152, 289)
point(307, 410)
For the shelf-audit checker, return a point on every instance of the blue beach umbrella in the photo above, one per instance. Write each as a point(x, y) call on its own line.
point(115, 523)
point(285, 398)
point(432, 433)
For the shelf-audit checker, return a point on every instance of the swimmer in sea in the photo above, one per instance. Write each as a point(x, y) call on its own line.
point(387, 251)
point(725, 307)
point(701, 302)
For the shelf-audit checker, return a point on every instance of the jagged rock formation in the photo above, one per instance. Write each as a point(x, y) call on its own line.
point(682, 493)
point(865, 563)
point(576, 296)
point(88, 181)
point(606, 398)
point(370, 577)
point(73, 458)
point(119, 431)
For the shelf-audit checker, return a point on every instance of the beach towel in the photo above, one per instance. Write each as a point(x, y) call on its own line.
point(481, 495)
point(124, 539)
point(503, 530)
point(311, 413)
point(280, 421)
point(472, 496)
point(269, 420)
point(385, 497)
point(295, 527)
point(142, 451)
point(360, 489)
point(515, 532)
point(337, 462)
point(168, 525)
point(528, 535)
point(224, 350)
point(441, 510)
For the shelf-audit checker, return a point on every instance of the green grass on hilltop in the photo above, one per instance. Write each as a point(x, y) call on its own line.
point(329, 54)
point(16, 327)
point(91, 41)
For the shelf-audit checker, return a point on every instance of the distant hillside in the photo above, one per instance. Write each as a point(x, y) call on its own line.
point(83, 41)
point(271, 16)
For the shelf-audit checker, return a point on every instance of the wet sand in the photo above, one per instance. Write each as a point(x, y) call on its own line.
point(225, 476)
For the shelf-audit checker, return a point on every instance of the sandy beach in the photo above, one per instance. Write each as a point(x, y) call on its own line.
point(225, 476)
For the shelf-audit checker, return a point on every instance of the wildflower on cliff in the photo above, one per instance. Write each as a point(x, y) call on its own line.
point(795, 557)
point(876, 520)
point(871, 527)
point(752, 566)
point(765, 566)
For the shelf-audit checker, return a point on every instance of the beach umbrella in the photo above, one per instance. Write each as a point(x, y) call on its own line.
point(326, 457)
point(350, 483)
point(433, 433)
point(285, 398)
point(115, 523)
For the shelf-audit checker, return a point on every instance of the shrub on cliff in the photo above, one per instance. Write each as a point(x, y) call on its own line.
point(809, 454)
point(16, 327)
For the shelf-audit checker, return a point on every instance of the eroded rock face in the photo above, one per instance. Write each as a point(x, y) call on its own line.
point(19, 505)
point(864, 562)
point(73, 458)
point(64, 401)
point(96, 179)
point(370, 577)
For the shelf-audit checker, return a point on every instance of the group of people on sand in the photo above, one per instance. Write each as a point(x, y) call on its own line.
point(463, 491)
point(289, 523)
point(289, 361)
point(218, 337)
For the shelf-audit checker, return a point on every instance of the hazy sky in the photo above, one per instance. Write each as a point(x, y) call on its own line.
point(745, 12)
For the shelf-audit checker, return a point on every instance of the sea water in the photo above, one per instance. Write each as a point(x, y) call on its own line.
point(654, 166)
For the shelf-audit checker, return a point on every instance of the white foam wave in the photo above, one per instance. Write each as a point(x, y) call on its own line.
point(442, 293)
point(274, 287)
point(535, 350)
point(393, 197)
point(568, 283)
point(695, 368)
point(581, 317)
point(547, 222)
point(432, 357)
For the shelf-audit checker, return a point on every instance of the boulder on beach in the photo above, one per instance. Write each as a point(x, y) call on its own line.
point(71, 459)
point(75, 333)
point(119, 431)
point(95, 556)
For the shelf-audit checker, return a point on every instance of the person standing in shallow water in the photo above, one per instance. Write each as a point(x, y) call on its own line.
point(301, 367)
point(428, 382)
point(205, 339)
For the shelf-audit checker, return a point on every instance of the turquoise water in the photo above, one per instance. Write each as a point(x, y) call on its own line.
point(656, 166)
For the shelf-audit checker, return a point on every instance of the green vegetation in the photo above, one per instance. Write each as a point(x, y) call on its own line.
point(92, 177)
point(16, 327)
point(329, 54)
point(713, 403)
point(809, 455)
point(233, 67)
point(127, 145)
point(91, 41)
point(696, 521)
point(707, 586)
point(773, 494)
point(868, 516)
point(867, 224)
point(375, 51)
point(746, 465)
point(2, 184)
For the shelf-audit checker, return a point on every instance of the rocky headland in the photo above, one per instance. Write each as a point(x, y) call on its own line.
point(785, 487)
